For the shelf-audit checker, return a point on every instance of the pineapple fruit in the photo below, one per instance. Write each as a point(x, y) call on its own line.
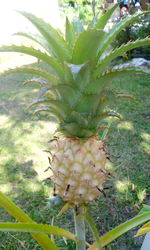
point(79, 169)
point(75, 90)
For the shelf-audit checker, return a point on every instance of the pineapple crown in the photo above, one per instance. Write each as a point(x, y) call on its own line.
point(74, 88)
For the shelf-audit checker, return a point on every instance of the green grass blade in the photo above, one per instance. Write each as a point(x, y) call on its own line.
point(51, 61)
point(36, 228)
point(86, 46)
point(43, 240)
point(115, 30)
point(102, 21)
point(94, 230)
point(36, 38)
point(121, 229)
point(52, 79)
point(119, 52)
point(54, 39)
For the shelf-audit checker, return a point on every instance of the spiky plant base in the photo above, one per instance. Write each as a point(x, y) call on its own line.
point(79, 169)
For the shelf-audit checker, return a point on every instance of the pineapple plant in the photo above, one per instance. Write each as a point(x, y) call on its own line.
point(75, 90)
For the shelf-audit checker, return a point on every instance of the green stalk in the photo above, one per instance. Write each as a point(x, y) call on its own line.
point(79, 228)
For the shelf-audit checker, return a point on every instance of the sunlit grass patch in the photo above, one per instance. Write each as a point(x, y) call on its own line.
point(141, 195)
point(145, 136)
point(14, 60)
point(144, 146)
point(122, 185)
point(125, 125)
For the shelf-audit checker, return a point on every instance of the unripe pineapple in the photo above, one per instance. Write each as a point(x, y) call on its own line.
point(79, 169)
point(75, 91)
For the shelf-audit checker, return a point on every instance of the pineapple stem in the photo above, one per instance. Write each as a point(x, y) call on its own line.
point(79, 220)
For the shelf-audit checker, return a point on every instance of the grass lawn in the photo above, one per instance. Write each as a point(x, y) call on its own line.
point(24, 136)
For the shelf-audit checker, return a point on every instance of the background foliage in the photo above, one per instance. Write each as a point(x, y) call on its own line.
point(138, 30)
point(84, 10)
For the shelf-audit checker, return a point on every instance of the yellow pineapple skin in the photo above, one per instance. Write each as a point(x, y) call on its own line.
point(78, 169)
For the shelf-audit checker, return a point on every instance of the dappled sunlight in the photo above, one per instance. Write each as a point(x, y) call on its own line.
point(6, 188)
point(16, 60)
point(23, 141)
point(145, 147)
point(125, 125)
point(4, 121)
point(33, 186)
point(122, 186)
point(145, 136)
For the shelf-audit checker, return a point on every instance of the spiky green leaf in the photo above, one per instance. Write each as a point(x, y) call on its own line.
point(145, 208)
point(118, 52)
point(36, 228)
point(76, 117)
point(121, 229)
point(94, 20)
point(144, 229)
point(73, 129)
point(21, 216)
point(68, 93)
point(123, 95)
point(38, 81)
point(94, 230)
point(36, 38)
point(51, 35)
point(42, 109)
point(96, 120)
point(68, 74)
point(61, 107)
point(70, 35)
point(51, 61)
point(111, 113)
point(51, 78)
point(77, 26)
point(87, 104)
point(86, 46)
point(108, 38)
point(83, 77)
point(102, 21)
point(99, 86)
point(43, 90)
